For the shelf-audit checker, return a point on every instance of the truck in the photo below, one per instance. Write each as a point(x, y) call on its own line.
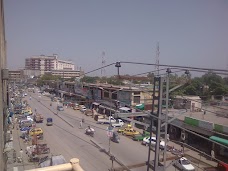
point(118, 123)
point(106, 120)
point(38, 118)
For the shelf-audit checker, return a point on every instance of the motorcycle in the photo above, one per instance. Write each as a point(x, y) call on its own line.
point(89, 131)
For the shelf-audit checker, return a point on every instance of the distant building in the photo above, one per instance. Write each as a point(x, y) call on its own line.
point(31, 73)
point(66, 73)
point(15, 75)
point(194, 103)
point(44, 63)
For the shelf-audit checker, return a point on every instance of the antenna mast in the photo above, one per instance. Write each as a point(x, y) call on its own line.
point(103, 64)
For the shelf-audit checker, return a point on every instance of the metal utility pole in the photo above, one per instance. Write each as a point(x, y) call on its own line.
point(157, 116)
point(118, 65)
point(151, 123)
point(103, 64)
point(166, 115)
point(157, 60)
point(3, 88)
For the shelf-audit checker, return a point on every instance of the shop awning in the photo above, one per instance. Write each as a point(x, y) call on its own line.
point(219, 140)
point(95, 103)
point(140, 106)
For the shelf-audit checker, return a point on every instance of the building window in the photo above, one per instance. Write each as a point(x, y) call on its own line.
point(137, 93)
point(106, 94)
point(137, 99)
point(114, 96)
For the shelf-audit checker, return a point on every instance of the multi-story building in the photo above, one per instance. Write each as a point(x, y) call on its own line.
point(15, 75)
point(44, 63)
point(66, 73)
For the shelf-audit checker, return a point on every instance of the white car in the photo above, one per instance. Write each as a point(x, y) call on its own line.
point(82, 108)
point(184, 164)
point(146, 142)
point(25, 94)
point(29, 118)
point(118, 123)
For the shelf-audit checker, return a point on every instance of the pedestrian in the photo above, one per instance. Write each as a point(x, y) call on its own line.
point(21, 154)
point(14, 156)
point(81, 124)
point(167, 137)
point(212, 155)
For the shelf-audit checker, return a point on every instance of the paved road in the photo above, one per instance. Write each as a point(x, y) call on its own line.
point(72, 142)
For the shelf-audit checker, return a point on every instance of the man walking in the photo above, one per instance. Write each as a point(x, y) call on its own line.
point(80, 124)
point(21, 155)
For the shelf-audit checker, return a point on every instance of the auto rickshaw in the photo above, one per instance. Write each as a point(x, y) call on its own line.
point(115, 137)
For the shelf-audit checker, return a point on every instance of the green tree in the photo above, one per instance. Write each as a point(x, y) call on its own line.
point(151, 77)
point(88, 79)
point(47, 77)
point(114, 80)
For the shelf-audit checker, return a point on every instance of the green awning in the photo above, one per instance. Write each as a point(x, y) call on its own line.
point(219, 140)
point(140, 106)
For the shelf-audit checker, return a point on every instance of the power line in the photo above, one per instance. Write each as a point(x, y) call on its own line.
point(175, 66)
point(99, 68)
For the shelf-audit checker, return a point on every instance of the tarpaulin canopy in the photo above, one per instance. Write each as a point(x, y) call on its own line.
point(219, 140)
point(140, 106)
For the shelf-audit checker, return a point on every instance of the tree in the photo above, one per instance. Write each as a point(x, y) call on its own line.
point(150, 76)
point(47, 77)
point(115, 81)
point(88, 79)
point(211, 77)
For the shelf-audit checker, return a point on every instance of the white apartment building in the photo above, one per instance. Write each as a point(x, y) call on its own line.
point(44, 63)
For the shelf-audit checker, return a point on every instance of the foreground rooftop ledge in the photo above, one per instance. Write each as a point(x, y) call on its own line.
point(72, 166)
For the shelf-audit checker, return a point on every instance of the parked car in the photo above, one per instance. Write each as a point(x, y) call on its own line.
point(121, 130)
point(141, 136)
point(82, 108)
point(118, 123)
point(130, 132)
point(88, 112)
point(60, 108)
point(25, 123)
point(184, 164)
point(24, 129)
point(36, 131)
point(76, 106)
point(29, 118)
point(146, 141)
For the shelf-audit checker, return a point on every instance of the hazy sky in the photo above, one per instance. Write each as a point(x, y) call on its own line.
point(191, 33)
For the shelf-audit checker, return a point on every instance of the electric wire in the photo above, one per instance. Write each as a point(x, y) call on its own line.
point(98, 69)
point(175, 66)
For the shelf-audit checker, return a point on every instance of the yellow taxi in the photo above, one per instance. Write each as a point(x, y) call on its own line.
point(35, 131)
point(121, 130)
point(130, 132)
point(29, 111)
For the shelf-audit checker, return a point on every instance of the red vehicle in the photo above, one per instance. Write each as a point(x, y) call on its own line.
point(220, 167)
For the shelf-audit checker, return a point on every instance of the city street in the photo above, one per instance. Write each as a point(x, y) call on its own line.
point(72, 142)
point(65, 137)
